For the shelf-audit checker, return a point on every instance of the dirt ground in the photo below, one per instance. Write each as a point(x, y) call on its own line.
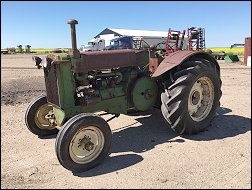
point(145, 153)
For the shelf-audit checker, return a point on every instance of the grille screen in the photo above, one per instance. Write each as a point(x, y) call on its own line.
point(50, 73)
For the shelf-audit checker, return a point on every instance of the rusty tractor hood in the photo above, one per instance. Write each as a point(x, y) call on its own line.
point(95, 60)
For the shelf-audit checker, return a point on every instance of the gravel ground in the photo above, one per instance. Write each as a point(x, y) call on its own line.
point(145, 153)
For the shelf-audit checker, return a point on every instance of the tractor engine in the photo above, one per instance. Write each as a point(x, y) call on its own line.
point(114, 74)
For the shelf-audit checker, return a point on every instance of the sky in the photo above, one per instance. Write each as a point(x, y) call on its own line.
point(43, 24)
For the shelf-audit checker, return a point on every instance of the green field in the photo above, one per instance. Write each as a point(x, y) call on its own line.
point(235, 51)
point(38, 50)
point(42, 51)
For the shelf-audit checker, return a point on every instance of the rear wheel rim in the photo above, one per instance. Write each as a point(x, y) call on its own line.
point(86, 145)
point(200, 99)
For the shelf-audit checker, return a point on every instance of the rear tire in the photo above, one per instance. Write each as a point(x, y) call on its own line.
point(191, 98)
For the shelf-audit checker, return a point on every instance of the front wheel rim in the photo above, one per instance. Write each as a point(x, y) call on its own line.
point(86, 145)
point(200, 99)
point(40, 120)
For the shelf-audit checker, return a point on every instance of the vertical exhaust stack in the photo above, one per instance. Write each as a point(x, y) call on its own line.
point(75, 51)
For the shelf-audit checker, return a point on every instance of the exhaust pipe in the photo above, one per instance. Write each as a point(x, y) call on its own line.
point(75, 51)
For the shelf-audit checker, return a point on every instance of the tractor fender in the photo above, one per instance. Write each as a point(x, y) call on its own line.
point(179, 57)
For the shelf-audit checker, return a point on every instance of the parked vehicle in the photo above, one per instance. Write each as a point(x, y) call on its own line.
point(129, 42)
point(94, 45)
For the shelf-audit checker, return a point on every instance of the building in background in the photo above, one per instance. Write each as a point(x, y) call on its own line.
point(105, 36)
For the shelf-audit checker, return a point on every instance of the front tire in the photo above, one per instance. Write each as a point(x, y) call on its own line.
point(83, 142)
point(190, 100)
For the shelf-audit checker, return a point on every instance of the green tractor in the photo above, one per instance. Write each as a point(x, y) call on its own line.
point(184, 85)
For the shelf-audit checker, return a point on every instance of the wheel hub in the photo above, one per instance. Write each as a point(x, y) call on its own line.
point(86, 145)
point(195, 98)
point(200, 99)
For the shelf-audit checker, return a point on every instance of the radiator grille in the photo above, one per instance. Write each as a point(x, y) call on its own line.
point(51, 73)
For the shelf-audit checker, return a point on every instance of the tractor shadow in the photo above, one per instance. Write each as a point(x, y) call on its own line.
point(130, 141)
point(223, 126)
point(48, 137)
